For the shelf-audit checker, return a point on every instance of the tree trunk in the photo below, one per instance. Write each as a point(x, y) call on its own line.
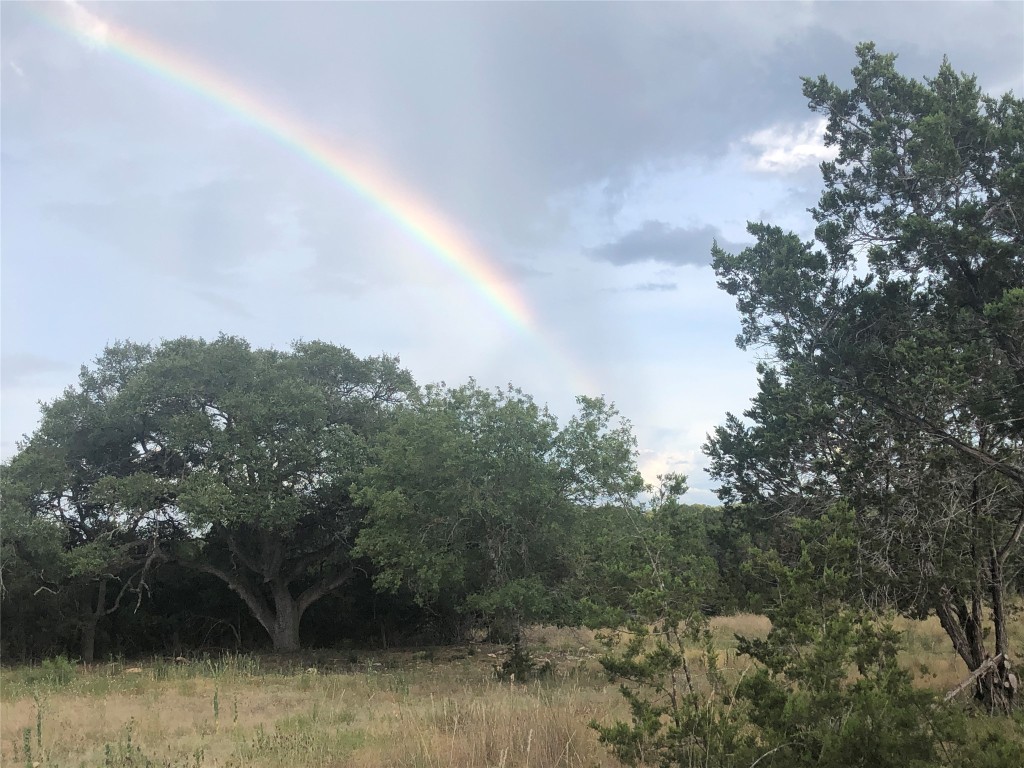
point(91, 622)
point(285, 629)
point(282, 620)
point(88, 640)
point(997, 689)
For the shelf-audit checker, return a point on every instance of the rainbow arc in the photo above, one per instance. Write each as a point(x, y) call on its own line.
point(444, 241)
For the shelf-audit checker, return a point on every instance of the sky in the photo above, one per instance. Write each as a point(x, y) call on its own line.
point(520, 193)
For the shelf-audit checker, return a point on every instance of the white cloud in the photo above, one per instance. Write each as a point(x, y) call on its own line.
point(90, 28)
point(17, 70)
point(654, 463)
point(788, 148)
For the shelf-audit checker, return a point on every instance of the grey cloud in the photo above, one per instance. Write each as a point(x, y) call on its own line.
point(500, 118)
point(528, 99)
point(521, 271)
point(490, 110)
point(660, 242)
point(18, 369)
point(193, 234)
point(225, 303)
point(326, 280)
point(657, 287)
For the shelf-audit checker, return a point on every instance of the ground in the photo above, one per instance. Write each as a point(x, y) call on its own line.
point(359, 709)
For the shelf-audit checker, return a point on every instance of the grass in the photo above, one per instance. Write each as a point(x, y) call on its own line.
point(430, 708)
point(397, 710)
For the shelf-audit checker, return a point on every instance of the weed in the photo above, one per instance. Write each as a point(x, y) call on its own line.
point(124, 753)
point(397, 683)
point(39, 721)
point(520, 665)
point(161, 670)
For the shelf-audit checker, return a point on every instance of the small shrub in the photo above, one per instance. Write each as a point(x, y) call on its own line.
point(520, 665)
point(58, 671)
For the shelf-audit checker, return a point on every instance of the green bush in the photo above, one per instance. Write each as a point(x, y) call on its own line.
point(824, 688)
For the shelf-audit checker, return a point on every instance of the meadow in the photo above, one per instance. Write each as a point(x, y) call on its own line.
point(423, 708)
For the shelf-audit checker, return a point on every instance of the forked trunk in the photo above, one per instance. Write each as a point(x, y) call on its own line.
point(996, 688)
point(280, 613)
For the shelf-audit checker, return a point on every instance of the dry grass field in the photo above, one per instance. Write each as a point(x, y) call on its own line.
point(427, 708)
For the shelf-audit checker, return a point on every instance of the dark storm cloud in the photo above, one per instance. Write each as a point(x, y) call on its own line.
point(660, 242)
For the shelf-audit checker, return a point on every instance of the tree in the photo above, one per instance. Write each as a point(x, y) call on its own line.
point(33, 612)
point(246, 455)
point(474, 495)
point(894, 366)
point(75, 549)
point(826, 688)
point(686, 711)
point(646, 558)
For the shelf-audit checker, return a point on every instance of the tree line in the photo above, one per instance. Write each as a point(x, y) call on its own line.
point(235, 480)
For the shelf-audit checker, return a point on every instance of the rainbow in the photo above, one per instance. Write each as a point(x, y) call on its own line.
point(412, 214)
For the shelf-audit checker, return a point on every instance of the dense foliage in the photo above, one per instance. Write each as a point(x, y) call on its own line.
point(893, 375)
point(825, 688)
point(178, 474)
point(475, 498)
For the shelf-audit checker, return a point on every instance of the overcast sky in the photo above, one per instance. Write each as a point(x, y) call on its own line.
point(590, 153)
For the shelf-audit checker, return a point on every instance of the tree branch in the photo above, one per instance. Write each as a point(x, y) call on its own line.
point(311, 558)
point(238, 551)
point(1015, 474)
point(243, 589)
point(981, 670)
point(322, 589)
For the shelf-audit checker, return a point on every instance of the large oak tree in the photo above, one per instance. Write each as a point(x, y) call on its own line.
point(234, 461)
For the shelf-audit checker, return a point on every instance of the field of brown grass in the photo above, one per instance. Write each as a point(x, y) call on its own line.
point(427, 708)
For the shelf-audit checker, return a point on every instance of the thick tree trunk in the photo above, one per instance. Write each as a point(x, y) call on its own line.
point(285, 629)
point(281, 619)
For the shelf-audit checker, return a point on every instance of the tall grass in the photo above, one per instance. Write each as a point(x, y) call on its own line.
point(426, 709)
